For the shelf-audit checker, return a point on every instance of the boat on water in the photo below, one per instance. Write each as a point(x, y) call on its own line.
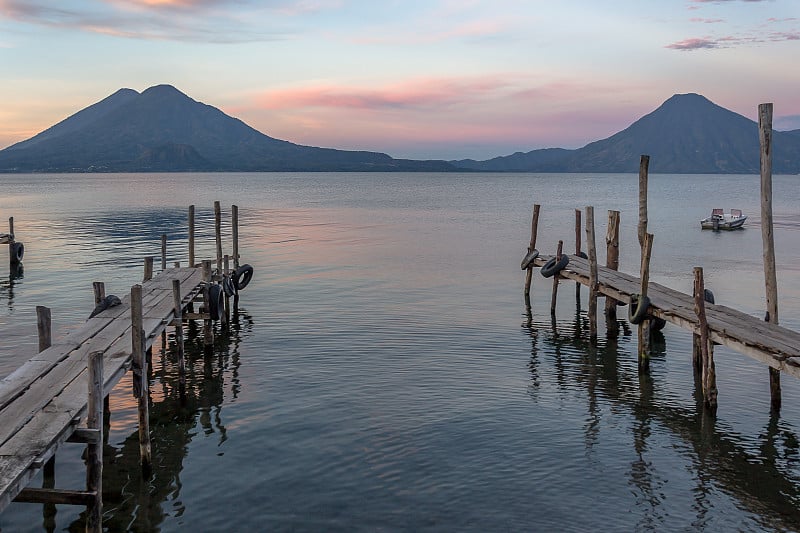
point(721, 220)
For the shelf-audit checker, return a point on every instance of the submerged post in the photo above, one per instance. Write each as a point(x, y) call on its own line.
point(191, 236)
point(709, 379)
point(531, 247)
point(140, 385)
point(218, 233)
point(768, 237)
point(555, 280)
point(235, 234)
point(94, 449)
point(644, 325)
point(578, 250)
point(612, 262)
point(593, 285)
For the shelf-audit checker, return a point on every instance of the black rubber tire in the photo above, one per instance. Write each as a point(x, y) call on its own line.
point(528, 259)
point(551, 268)
point(708, 296)
point(17, 252)
point(637, 310)
point(242, 276)
point(216, 305)
point(228, 286)
point(582, 254)
point(657, 324)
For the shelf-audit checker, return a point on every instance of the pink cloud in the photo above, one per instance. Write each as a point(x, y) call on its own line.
point(706, 21)
point(695, 43)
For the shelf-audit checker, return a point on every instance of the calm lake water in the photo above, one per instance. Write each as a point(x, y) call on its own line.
point(383, 374)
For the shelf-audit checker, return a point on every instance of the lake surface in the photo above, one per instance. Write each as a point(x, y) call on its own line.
point(383, 374)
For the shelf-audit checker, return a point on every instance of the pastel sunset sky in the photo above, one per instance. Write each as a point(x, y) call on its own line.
point(444, 79)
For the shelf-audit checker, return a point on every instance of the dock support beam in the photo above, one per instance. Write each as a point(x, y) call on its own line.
point(768, 237)
point(578, 229)
point(612, 262)
point(140, 385)
point(593, 286)
point(218, 233)
point(709, 376)
point(555, 280)
point(178, 311)
point(94, 449)
point(644, 326)
point(531, 246)
point(208, 331)
point(191, 236)
point(235, 232)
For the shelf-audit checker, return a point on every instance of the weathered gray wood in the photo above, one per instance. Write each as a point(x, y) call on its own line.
point(612, 262)
point(592, 247)
point(531, 247)
point(644, 163)
point(191, 236)
point(94, 455)
point(555, 280)
point(644, 326)
point(218, 233)
point(99, 289)
point(177, 304)
point(578, 230)
point(148, 268)
point(56, 496)
point(11, 258)
point(140, 384)
point(44, 327)
point(235, 232)
point(709, 379)
point(768, 237)
point(208, 331)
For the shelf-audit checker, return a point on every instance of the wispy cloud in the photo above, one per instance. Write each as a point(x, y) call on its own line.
point(215, 21)
point(730, 41)
point(707, 21)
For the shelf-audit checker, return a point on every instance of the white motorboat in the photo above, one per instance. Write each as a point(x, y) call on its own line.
point(721, 220)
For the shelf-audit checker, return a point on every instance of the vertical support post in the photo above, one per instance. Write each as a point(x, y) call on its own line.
point(578, 250)
point(140, 385)
point(99, 289)
point(163, 251)
point(44, 327)
point(644, 326)
point(227, 264)
point(709, 379)
point(191, 236)
point(218, 233)
point(94, 455)
point(612, 262)
point(148, 268)
point(768, 237)
point(644, 164)
point(593, 284)
point(235, 232)
point(555, 280)
point(208, 332)
point(531, 247)
point(178, 311)
point(11, 258)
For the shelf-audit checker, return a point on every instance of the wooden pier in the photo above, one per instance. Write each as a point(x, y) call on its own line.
point(651, 305)
point(58, 395)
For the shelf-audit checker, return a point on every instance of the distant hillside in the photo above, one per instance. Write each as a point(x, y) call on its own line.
point(686, 134)
point(162, 129)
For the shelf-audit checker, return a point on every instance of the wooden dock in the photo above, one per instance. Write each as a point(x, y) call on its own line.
point(58, 395)
point(768, 343)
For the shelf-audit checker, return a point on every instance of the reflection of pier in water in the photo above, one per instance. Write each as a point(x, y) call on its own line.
point(757, 481)
point(133, 502)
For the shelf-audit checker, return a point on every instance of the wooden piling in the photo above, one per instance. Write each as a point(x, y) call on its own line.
point(208, 331)
point(191, 236)
point(235, 233)
point(94, 449)
point(148, 268)
point(226, 265)
point(178, 310)
point(12, 259)
point(612, 262)
point(531, 247)
point(644, 164)
point(140, 384)
point(593, 288)
point(578, 229)
point(644, 326)
point(99, 289)
point(768, 237)
point(709, 379)
point(44, 327)
point(218, 233)
point(163, 251)
point(555, 280)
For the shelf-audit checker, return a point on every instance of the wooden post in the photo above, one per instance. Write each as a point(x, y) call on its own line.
point(578, 250)
point(191, 236)
point(99, 289)
point(178, 311)
point(140, 385)
point(644, 326)
point(163, 251)
point(612, 262)
point(531, 246)
point(218, 233)
point(768, 237)
point(709, 379)
point(593, 285)
point(208, 331)
point(555, 280)
point(227, 264)
point(644, 163)
point(235, 232)
point(44, 327)
point(94, 450)
point(148, 268)
point(11, 258)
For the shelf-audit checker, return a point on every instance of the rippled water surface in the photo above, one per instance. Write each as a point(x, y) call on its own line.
point(383, 374)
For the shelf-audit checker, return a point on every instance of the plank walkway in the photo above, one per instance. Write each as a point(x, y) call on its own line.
point(768, 343)
point(43, 401)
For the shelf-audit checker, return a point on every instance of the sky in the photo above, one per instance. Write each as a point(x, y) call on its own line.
point(438, 79)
